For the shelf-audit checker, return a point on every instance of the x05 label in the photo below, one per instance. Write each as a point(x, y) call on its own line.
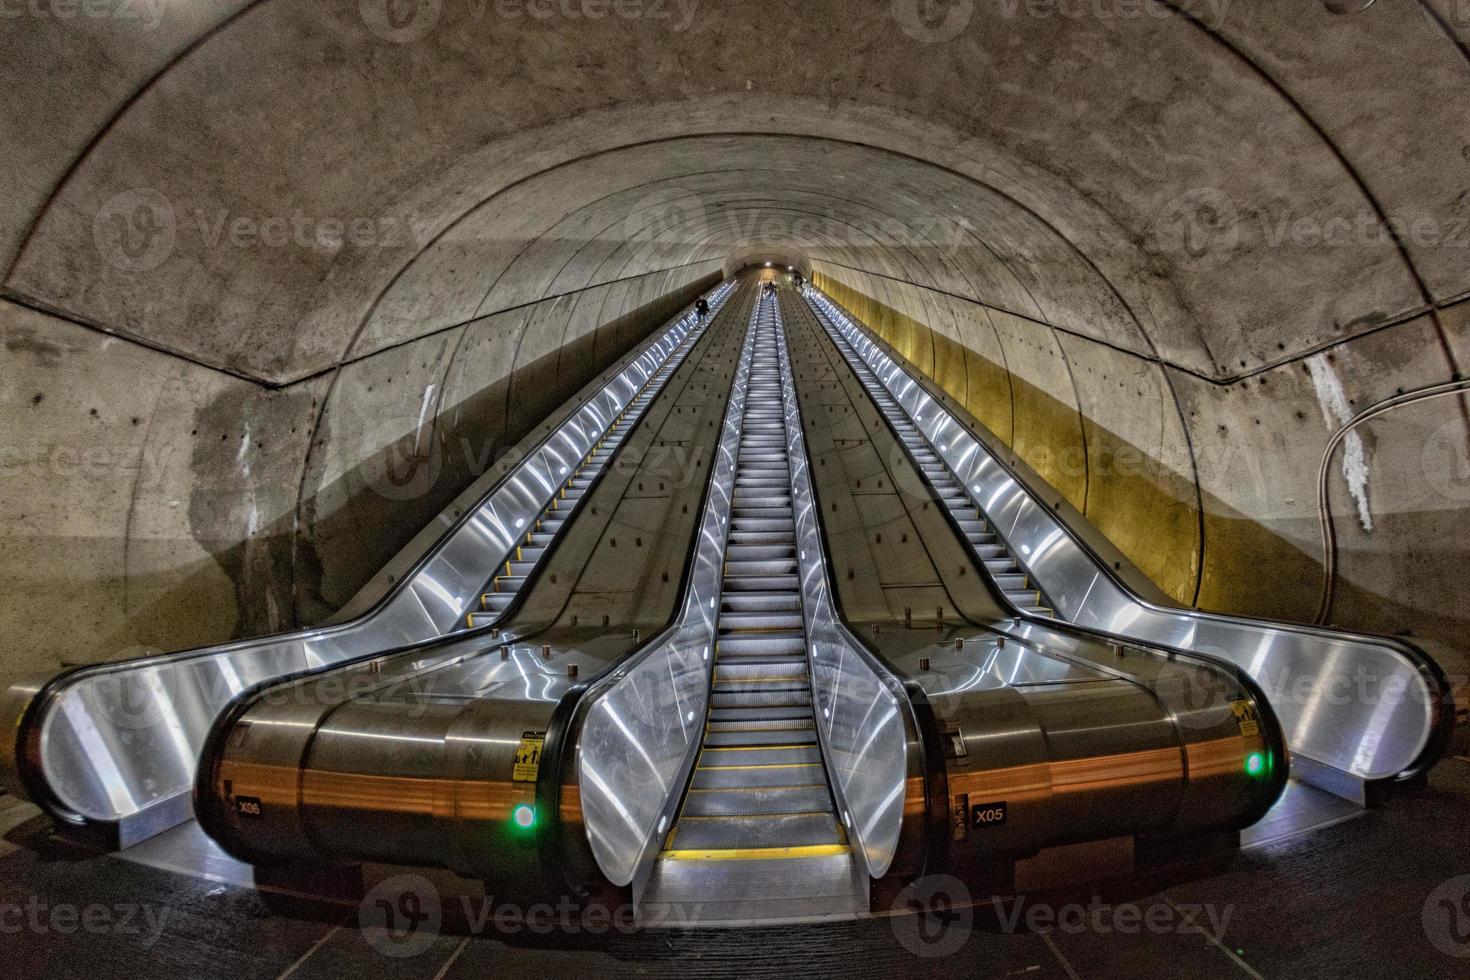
point(984, 815)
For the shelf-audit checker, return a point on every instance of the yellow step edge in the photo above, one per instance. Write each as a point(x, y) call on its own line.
point(745, 816)
point(756, 853)
point(749, 630)
point(766, 765)
point(755, 789)
point(757, 748)
point(730, 682)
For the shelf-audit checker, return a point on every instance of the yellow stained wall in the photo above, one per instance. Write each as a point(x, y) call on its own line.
point(1143, 506)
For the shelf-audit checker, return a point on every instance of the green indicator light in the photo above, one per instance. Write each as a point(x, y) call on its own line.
point(523, 816)
point(1255, 763)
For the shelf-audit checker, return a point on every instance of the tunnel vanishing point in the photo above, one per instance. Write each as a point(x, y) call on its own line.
point(534, 487)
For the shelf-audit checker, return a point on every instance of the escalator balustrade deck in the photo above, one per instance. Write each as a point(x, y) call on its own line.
point(758, 825)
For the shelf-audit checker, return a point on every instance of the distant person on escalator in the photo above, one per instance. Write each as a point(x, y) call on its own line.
point(701, 308)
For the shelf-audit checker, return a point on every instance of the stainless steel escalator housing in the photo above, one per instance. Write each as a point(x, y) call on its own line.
point(866, 730)
point(444, 755)
point(426, 773)
point(1343, 743)
point(1041, 734)
point(869, 730)
point(636, 734)
point(110, 750)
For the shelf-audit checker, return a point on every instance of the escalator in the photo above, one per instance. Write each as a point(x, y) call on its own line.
point(1005, 571)
point(754, 761)
point(1355, 747)
point(758, 827)
point(522, 563)
point(110, 751)
point(992, 551)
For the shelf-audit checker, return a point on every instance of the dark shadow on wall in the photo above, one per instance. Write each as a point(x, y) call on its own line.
point(371, 518)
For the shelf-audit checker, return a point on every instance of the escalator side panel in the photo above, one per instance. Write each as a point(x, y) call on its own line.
point(1347, 746)
point(1072, 738)
point(409, 756)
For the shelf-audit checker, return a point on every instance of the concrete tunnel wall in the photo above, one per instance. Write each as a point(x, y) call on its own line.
point(1210, 487)
point(1166, 251)
point(156, 503)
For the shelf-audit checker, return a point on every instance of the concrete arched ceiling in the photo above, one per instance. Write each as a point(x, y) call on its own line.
point(1155, 176)
point(1195, 234)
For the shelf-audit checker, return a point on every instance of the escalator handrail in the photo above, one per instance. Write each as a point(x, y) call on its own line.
point(35, 698)
point(563, 849)
point(820, 609)
point(1429, 669)
point(937, 811)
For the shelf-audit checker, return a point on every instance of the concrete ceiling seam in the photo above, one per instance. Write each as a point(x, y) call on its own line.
point(1347, 165)
point(122, 109)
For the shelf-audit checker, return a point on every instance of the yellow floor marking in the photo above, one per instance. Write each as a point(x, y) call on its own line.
point(756, 853)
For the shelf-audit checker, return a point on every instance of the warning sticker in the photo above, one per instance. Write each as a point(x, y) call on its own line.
point(528, 757)
point(960, 817)
point(1246, 717)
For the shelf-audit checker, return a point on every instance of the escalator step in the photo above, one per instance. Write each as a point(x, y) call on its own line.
point(761, 583)
point(736, 645)
point(754, 601)
point(802, 774)
point(754, 831)
point(765, 799)
point(738, 669)
point(727, 757)
point(760, 621)
point(779, 697)
point(761, 736)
